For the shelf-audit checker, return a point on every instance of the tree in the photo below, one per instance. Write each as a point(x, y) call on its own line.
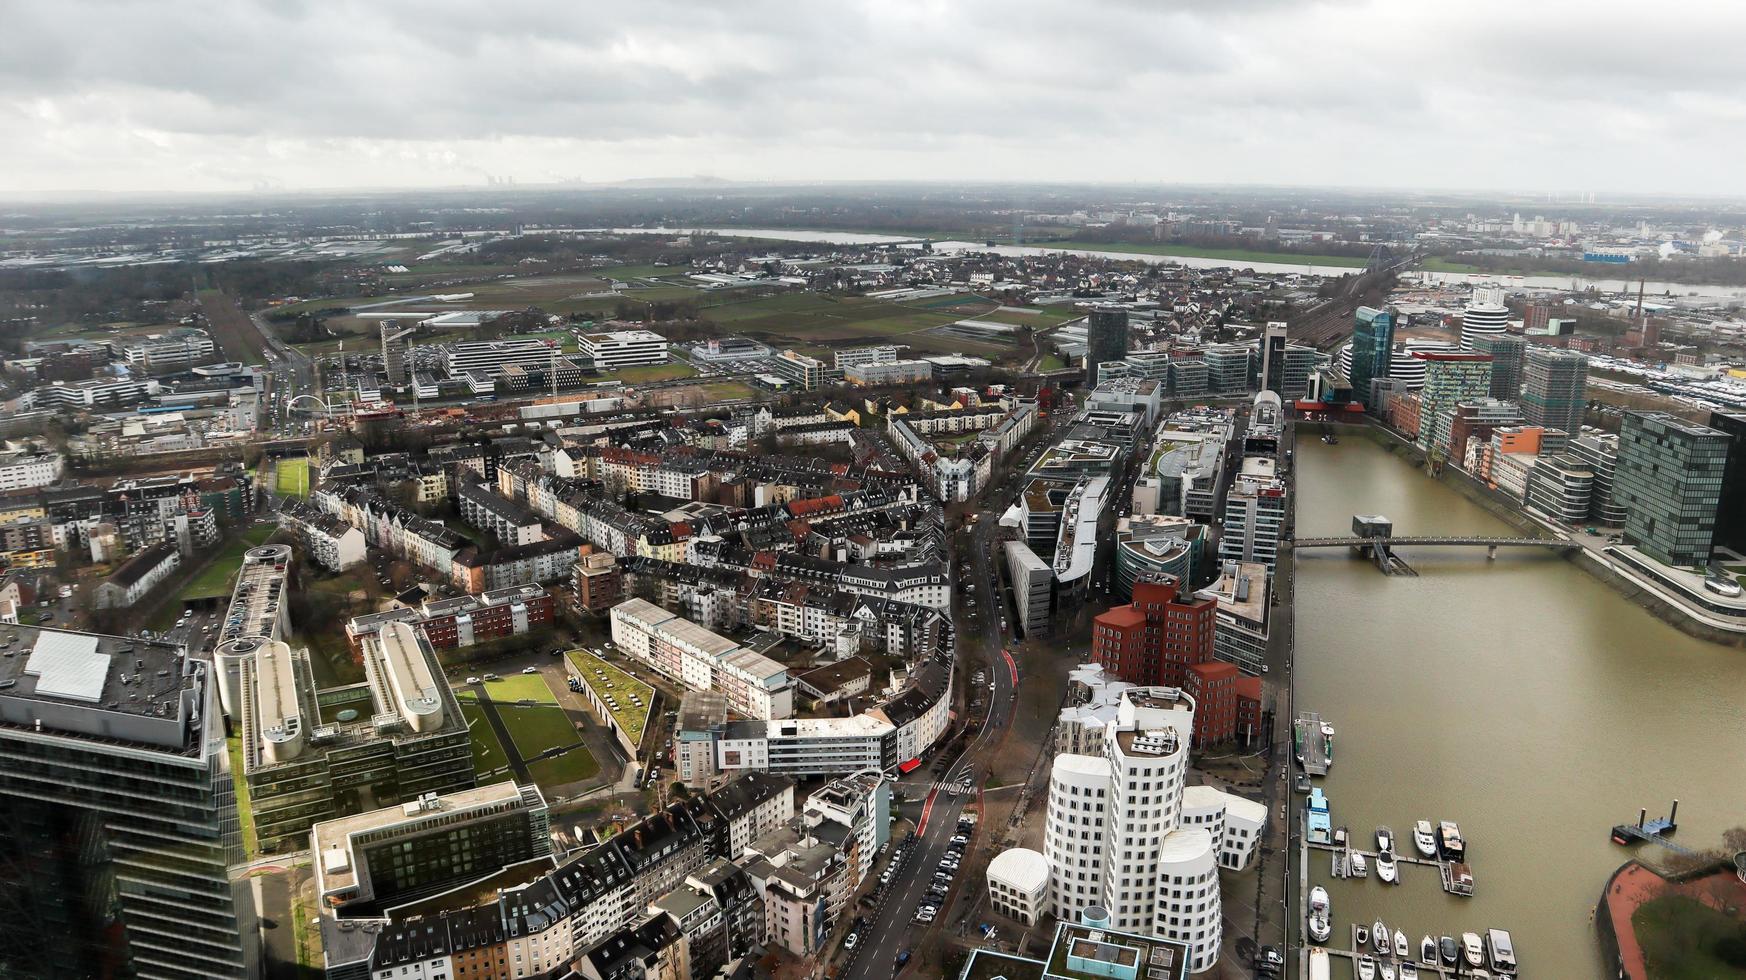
point(679, 791)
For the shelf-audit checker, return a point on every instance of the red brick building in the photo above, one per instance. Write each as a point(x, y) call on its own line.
point(1165, 639)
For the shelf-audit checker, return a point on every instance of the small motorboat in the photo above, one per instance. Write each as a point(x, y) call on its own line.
point(1385, 868)
point(1401, 949)
point(1471, 950)
point(1302, 783)
point(1363, 936)
point(1384, 840)
point(1359, 866)
point(1366, 968)
point(1379, 937)
point(1340, 837)
point(1319, 912)
point(1428, 950)
point(1450, 953)
point(1386, 970)
point(1408, 971)
point(1425, 839)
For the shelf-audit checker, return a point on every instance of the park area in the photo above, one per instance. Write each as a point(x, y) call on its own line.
point(1678, 927)
point(542, 736)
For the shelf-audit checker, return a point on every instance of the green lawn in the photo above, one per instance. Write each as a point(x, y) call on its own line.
point(647, 373)
point(1436, 263)
point(1199, 252)
point(573, 766)
point(244, 808)
point(535, 730)
point(727, 391)
point(488, 754)
point(621, 686)
point(214, 579)
point(1051, 362)
point(1684, 939)
point(291, 477)
point(521, 687)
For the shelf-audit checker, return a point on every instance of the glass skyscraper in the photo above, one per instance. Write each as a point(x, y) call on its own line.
point(1555, 388)
point(1372, 350)
point(1669, 479)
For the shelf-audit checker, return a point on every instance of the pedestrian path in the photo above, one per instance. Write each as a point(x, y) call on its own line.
point(954, 789)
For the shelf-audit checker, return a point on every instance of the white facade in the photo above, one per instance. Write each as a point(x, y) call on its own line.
point(1118, 833)
point(22, 470)
point(1018, 884)
point(755, 686)
point(619, 348)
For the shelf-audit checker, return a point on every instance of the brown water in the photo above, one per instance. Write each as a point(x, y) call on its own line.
point(1519, 697)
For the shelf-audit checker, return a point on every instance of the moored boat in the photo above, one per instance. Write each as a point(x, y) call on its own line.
point(1408, 971)
point(1428, 949)
point(1318, 963)
point(1425, 839)
point(1386, 970)
point(1385, 868)
point(1379, 936)
point(1448, 952)
point(1449, 842)
point(1359, 866)
point(1319, 913)
point(1366, 968)
point(1363, 936)
point(1471, 950)
point(1401, 949)
point(1384, 840)
point(1500, 951)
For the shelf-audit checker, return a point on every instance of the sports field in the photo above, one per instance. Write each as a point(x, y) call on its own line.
point(291, 477)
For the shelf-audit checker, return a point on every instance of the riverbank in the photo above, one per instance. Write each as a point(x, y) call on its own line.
point(1652, 923)
point(1505, 510)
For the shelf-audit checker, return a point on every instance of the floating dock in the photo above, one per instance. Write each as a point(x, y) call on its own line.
point(1315, 751)
point(1426, 970)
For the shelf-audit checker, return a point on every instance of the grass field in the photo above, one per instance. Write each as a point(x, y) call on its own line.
point(573, 766)
point(517, 687)
point(537, 729)
point(1051, 362)
point(1437, 263)
point(648, 373)
point(1198, 252)
point(214, 579)
point(488, 754)
point(726, 391)
point(291, 477)
point(1684, 939)
point(621, 686)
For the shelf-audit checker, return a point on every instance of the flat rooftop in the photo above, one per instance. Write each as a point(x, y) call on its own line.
point(112, 688)
point(336, 865)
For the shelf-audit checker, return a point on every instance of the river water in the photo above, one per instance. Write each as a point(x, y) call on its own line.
point(1519, 697)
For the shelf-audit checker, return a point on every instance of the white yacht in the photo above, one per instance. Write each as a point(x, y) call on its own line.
point(1471, 950)
point(1425, 839)
point(1401, 949)
point(1408, 971)
point(1385, 868)
point(1384, 840)
point(1319, 912)
point(1366, 968)
point(1359, 866)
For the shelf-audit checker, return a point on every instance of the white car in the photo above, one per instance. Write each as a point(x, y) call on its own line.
point(530, 670)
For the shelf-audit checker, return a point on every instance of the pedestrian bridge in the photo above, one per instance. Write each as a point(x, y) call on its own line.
point(1433, 540)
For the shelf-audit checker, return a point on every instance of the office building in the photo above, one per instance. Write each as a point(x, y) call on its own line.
point(1273, 361)
point(394, 351)
point(120, 818)
point(1669, 480)
point(1599, 451)
point(1731, 515)
point(1561, 487)
point(1227, 369)
point(1555, 388)
point(1033, 586)
point(806, 372)
point(1113, 836)
point(1371, 351)
point(1154, 639)
point(1156, 544)
point(1255, 509)
point(311, 755)
point(489, 358)
point(905, 372)
point(860, 356)
point(1508, 353)
point(1449, 378)
point(1018, 884)
point(1485, 316)
point(1106, 338)
point(614, 349)
point(372, 861)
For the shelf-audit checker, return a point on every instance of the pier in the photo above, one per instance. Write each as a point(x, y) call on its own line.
point(1651, 831)
point(1455, 882)
point(1426, 970)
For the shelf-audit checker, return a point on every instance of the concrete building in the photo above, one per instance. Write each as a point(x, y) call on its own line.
point(1018, 884)
point(1485, 316)
point(905, 372)
point(1508, 354)
point(138, 576)
point(312, 755)
point(22, 470)
point(1114, 836)
point(1555, 388)
point(755, 686)
point(614, 349)
point(120, 822)
point(1033, 585)
point(1255, 510)
point(1669, 480)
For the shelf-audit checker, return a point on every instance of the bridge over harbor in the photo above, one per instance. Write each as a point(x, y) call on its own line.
point(1373, 536)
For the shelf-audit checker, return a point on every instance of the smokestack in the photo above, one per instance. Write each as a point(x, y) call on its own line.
point(1640, 300)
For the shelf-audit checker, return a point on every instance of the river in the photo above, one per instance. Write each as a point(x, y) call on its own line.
point(1519, 697)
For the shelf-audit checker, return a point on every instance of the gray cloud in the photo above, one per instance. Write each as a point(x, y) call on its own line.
point(219, 94)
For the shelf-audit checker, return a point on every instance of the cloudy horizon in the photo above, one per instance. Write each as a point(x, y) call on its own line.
point(209, 96)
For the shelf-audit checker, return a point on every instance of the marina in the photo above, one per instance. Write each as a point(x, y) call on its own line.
point(1495, 952)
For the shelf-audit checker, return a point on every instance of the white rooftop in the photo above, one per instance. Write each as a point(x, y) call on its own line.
point(67, 665)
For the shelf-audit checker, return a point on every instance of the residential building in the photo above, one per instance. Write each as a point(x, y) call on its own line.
point(1485, 316)
point(597, 582)
point(1555, 388)
point(1508, 353)
point(328, 541)
point(138, 576)
point(1599, 451)
point(21, 470)
point(755, 686)
point(1562, 488)
point(1255, 509)
point(1449, 378)
point(121, 823)
point(1669, 480)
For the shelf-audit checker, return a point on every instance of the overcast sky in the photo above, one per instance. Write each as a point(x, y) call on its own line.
point(226, 95)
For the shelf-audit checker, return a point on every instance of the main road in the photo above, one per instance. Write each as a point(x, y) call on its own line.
point(892, 929)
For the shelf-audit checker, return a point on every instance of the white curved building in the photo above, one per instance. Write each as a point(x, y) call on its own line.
point(1018, 884)
point(1485, 316)
point(1115, 835)
point(1188, 895)
point(1074, 833)
point(1409, 370)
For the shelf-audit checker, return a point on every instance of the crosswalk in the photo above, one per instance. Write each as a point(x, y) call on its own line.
point(955, 789)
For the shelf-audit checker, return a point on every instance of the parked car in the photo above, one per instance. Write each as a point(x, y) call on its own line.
point(530, 670)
